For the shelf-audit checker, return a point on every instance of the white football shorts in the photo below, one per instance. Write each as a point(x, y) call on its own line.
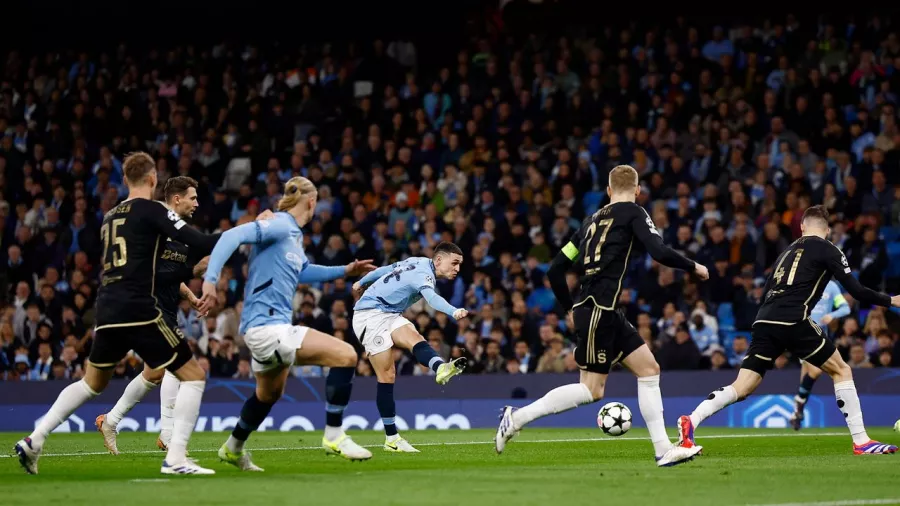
point(274, 346)
point(374, 327)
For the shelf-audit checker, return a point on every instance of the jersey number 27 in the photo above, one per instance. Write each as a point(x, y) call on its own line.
point(595, 242)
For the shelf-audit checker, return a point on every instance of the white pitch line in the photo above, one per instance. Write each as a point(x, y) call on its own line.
point(455, 443)
point(849, 502)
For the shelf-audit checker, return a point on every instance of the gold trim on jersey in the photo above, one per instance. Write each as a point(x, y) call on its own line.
point(167, 332)
point(174, 356)
point(762, 357)
point(588, 298)
point(816, 351)
point(590, 356)
point(618, 289)
point(815, 287)
point(130, 324)
point(152, 294)
point(815, 325)
point(101, 366)
point(773, 322)
point(781, 260)
point(618, 357)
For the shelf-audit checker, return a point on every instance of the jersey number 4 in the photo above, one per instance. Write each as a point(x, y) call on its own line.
point(779, 271)
point(595, 243)
point(109, 235)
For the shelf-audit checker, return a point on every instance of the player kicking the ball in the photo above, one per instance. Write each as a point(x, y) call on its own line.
point(783, 323)
point(277, 265)
point(606, 241)
point(379, 323)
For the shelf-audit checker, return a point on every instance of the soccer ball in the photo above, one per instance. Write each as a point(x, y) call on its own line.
point(897, 426)
point(614, 419)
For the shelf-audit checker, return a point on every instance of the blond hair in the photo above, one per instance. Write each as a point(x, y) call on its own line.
point(623, 179)
point(137, 166)
point(295, 190)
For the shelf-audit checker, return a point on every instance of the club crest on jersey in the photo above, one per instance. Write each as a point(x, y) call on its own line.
point(294, 259)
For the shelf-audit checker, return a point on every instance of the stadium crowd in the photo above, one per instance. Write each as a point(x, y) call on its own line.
point(503, 151)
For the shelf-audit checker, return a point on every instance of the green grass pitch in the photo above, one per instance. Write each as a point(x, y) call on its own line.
point(547, 467)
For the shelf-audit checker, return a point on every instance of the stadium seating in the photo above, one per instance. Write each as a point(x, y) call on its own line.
point(469, 137)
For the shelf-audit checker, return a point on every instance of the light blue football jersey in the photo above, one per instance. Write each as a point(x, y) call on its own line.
point(277, 260)
point(832, 298)
point(400, 288)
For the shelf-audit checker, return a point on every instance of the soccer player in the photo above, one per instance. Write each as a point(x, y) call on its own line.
point(129, 318)
point(175, 265)
point(378, 321)
point(831, 306)
point(603, 245)
point(784, 323)
point(277, 265)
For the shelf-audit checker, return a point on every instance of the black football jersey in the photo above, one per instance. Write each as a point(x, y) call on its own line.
point(134, 235)
point(606, 242)
point(801, 272)
point(174, 267)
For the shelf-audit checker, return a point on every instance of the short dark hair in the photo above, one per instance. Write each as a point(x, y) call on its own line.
point(137, 166)
point(816, 213)
point(447, 247)
point(178, 185)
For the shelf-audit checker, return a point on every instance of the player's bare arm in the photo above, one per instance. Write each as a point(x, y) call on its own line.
point(188, 295)
point(200, 268)
point(358, 268)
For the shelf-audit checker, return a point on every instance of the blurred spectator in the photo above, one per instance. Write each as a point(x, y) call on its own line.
point(503, 148)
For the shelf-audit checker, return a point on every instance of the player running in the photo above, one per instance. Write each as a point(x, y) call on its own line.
point(277, 265)
point(783, 323)
point(379, 323)
point(128, 317)
point(606, 242)
point(831, 306)
point(175, 265)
